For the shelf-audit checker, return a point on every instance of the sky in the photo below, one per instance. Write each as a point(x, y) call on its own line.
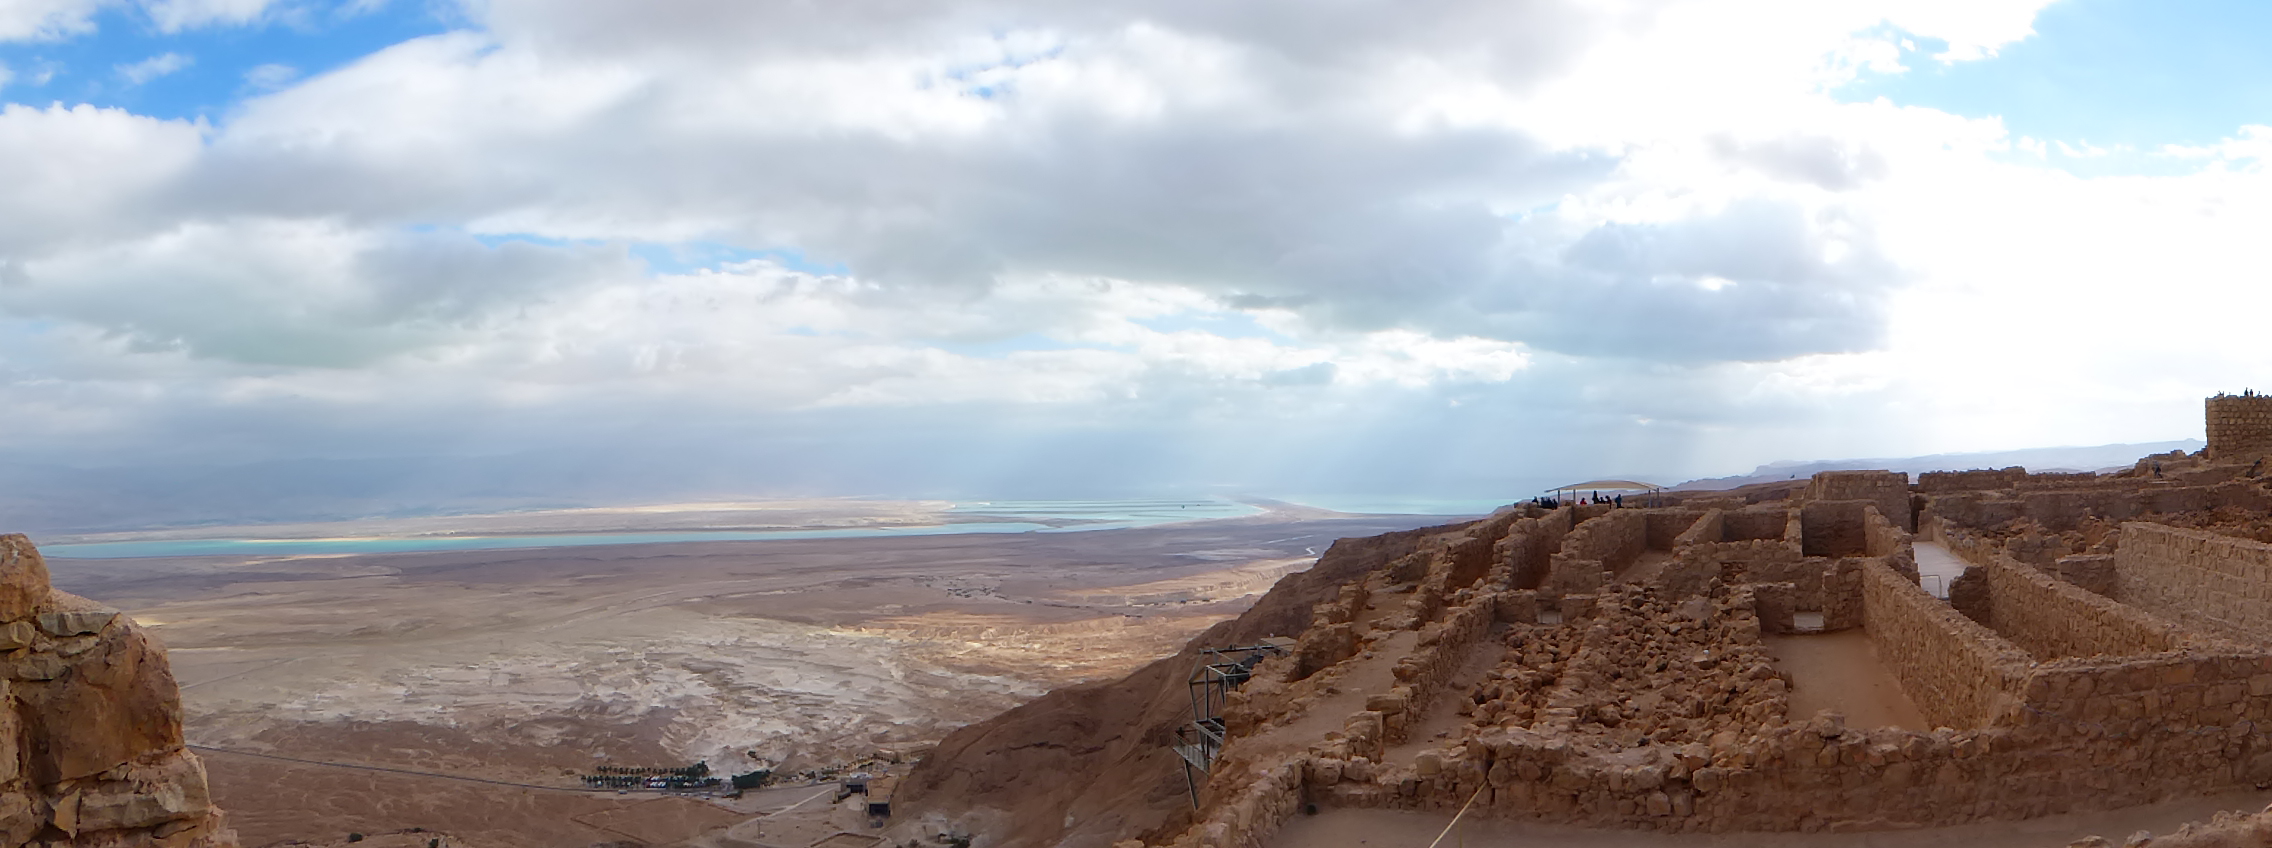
point(287, 258)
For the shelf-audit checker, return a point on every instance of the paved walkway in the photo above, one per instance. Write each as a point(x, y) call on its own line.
point(1937, 567)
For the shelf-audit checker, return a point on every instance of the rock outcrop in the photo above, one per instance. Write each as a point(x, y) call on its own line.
point(91, 747)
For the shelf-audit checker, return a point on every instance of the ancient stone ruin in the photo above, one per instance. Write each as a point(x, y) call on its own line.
point(90, 741)
point(2109, 644)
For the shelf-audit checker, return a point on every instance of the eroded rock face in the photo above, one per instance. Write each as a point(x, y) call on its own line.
point(90, 735)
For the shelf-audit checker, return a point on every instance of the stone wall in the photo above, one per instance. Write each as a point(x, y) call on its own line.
point(2051, 618)
point(1472, 555)
point(2091, 572)
point(2201, 578)
point(2240, 427)
point(1615, 539)
point(1958, 673)
point(1763, 523)
point(1890, 544)
point(2114, 708)
point(1970, 481)
point(1888, 489)
point(1595, 551)
point(1666, 526)
point(1526, 552)
point(1833, 528)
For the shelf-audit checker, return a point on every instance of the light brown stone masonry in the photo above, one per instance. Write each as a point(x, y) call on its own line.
point(2240, 427)
point(1969, 481)
point(1765, 523)
point(1528, 548)
point(1959, 673)
point(1889, 490)
point(1666, 526)
point(2051, 619)
point(2197, 577)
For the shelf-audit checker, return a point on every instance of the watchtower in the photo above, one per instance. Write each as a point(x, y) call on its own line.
point(2240, 426)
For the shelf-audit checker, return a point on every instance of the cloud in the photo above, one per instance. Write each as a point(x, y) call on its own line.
point(47, 20)
point(173, 16)
point(270, 76)
point(137, 73)
point(1260, 239)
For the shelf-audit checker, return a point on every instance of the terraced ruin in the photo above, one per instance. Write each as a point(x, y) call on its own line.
point(2107, 644)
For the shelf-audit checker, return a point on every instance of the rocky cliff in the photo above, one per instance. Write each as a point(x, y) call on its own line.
point(91, 748)
point(1085, 766)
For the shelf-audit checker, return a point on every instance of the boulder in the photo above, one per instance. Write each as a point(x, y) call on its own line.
point(23, 578)
point(113, 704)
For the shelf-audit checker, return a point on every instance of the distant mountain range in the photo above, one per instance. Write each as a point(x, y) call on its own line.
point(2096, 458)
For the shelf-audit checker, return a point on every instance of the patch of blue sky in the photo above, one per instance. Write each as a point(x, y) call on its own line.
point(1022, 343)
point(689, 257)
point(1227, 324)
point(2129, 77)
point(492, 240)
point(123, 63)
point(989, 80)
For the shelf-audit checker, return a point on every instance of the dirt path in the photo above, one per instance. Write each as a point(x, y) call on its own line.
point(1336, 828)
point(1840, 672)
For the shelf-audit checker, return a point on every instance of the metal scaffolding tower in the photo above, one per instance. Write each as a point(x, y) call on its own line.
point(1219, 671)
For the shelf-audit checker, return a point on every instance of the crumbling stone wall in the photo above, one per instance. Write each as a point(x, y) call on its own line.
point(1615, 539)
point(1768, 523)
point(2192, 576)
point(1958, 672)
point(2240, 427)
point(1970, 481)
point(1652, 709)
point(1834, 528)
point(1595, 551)
point(1527, 550)
point(90, 724)
point(2051, 619)
point(1667, 526)
point(1889, 543)
point(1889, 490)
point(2089, 572)
point(1470, 557)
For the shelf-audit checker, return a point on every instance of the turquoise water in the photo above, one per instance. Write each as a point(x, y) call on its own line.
point(1141, 513)
point(1015, 517)
point(1406, 506)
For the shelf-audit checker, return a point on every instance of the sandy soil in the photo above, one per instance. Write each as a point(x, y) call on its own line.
point(1350, 828)
point(529, 666)
point(1840, 672)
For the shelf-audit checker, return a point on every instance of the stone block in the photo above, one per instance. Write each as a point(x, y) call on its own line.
point(74, 623)
point(19, 634)
point(118, 702)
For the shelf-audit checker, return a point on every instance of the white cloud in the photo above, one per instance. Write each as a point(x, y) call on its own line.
point(271, 76)
point(172, 16)
point(1547, 212)
point(47, 20)
point(137, 73)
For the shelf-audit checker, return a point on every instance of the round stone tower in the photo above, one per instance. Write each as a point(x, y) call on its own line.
point(2240, 427)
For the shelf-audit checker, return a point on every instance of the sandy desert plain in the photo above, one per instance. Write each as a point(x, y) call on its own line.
point(464, 691)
